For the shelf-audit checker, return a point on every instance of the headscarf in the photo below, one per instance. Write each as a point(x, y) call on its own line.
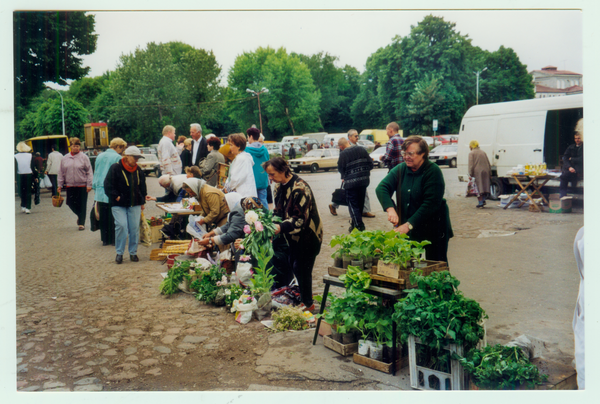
point(251, 203)
point(23, 148)
point(473, 144)
point(232, 199)
point(195, 184)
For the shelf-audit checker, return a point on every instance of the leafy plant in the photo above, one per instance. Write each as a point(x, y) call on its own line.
point(206, 284)
point(355, 279)
point(262, 280)
point(289, 318)
point(501, 367)
point(259, 231)
point(175, 276)
point(232, 293)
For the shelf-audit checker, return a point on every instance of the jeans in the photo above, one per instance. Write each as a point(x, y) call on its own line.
point(367, 207)
point(262, 196)
point(127, 223)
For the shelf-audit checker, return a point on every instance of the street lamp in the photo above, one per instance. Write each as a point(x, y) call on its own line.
point(263, 90)
point(62, 105)
point(477, 74)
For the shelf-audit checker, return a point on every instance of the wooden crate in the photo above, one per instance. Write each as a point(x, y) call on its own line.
point(388, 271)
point(344, 350)
point(402, 362)
point(385, 282)
point(337, 271)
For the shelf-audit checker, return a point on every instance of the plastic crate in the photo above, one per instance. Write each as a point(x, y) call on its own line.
point(455, 380)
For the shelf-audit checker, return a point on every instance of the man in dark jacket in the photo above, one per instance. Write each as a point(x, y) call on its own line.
point(355, 165)
point(572, 162)
point(125, 185)
point(292, 152)
point(199, 148)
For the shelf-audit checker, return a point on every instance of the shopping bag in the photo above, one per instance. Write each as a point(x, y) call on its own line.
point(339, 196)
point(145, 232)
point(45, 182)
point(472, 189)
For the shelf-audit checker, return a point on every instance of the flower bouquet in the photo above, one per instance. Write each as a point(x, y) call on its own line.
point(260, 229)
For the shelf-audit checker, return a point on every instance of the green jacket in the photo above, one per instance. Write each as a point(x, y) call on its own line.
point(422, 202)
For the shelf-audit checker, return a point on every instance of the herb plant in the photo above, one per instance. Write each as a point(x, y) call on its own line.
point(289, 318)
point(355, 279)
point(262, 280)
point(175, 276)
point(206, 284)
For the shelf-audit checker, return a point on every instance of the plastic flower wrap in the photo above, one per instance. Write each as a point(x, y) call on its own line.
point(260, 229)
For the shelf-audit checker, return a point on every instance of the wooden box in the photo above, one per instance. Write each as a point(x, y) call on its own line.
point(377, 365)
point(155, 232)
point(394, 272)
point(344, 350)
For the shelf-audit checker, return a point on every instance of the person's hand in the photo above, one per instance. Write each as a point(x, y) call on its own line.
point(88, 189)
point(392, 216)
point(205, 240)
point(571, 169)
point(150, 198)
point(143, 206)
point(118, 198)
point(402, 229)
point(277, 229)
point(238, 244)
point(201, 221)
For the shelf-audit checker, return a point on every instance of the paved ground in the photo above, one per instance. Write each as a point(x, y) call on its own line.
point(85, 323)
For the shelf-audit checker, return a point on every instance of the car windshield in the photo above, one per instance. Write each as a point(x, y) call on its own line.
point(314, 153)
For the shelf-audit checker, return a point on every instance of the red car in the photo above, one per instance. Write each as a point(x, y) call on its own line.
point(445, 139)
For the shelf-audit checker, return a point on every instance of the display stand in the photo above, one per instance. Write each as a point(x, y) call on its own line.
point(536, 182)
point(372, 290)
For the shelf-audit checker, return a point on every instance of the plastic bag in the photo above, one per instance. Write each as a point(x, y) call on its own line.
point(472, 189)
point(45, 182)
point(244, 273)
point(243, 308)
point(263, 307)
point(194, 247)
point(145, 232)
point(195, 229)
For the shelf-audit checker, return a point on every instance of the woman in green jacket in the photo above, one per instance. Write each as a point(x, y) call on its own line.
point(419, 187)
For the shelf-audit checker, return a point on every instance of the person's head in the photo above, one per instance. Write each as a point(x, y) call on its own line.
point(261, 138)
point(415, 152)
point(165, 181)
point(277, 169)
point(579, 132)
point(193, 186)
point(473, 144)
point(23, 148)
point(343, 143)
point(75, 145)
point(331, 142)
point(118, 145)
point(253, 134)
point(214, 143)
point(237, 143)
point(392, 128)
point(193, 172)
point(353, 136)
point(181, 139)
point(131, 155)
point(251, 203)
point(187, 144)
point(195, 131)
point(169, 131)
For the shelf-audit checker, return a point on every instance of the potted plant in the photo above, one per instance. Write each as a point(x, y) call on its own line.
point(262, 281)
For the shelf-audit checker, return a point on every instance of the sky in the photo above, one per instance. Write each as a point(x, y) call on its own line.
point(540, 38)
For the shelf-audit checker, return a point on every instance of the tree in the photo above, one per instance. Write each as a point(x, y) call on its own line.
point(292, 103)
point(426, 103)
point(506, 78)
point(46, 119)
point(48, 47)
point(434, 47)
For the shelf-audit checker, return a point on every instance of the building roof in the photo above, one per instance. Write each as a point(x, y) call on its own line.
point(551, 71)
point(569, 90)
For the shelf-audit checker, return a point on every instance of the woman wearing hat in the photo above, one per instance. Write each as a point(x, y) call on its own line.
point(125, 186)
point(480, 169)
point(212, 201)
point(26, 175)
point(76, 176)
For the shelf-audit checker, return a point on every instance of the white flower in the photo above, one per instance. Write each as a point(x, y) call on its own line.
point(227, 292)
point(224, 280)
point(251, 217)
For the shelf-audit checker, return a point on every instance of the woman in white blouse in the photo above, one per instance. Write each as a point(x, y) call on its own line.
point(241, 176)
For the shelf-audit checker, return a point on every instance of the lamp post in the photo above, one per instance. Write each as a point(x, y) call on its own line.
point(477, 74)
point(263, 90)
point(62, 105)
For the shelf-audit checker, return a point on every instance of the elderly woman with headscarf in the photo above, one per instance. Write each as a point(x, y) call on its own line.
point(26, 175)
point(125, 185)
point(241, 175)
point(104, 161)
point(212, 201)
point(172, 185)
point(76, 176)
point(479, 167)
point(209, 167)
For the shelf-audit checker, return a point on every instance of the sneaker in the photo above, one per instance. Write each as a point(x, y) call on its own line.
point(332, 210)
point(27, 211)
point(23, 209)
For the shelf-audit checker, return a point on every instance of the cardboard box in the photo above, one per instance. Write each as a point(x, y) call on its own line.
point(560, 205)
point(156, 235)
point(389, 270)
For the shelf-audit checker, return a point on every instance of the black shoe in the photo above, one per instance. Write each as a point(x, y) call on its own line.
point(104, 243)
point(134, 258)
point(119, 259)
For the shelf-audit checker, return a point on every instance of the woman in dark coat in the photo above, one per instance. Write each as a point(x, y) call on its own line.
point(186, 155)
point(481, 170)
point(420, 210)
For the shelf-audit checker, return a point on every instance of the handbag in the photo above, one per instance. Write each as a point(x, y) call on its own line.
point(339, 196)
point(94, 225)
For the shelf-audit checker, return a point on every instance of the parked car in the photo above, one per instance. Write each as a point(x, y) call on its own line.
point(286, 149)
point(444, 154)
point(274, 149)
point(315, 160)
point(147, 150)
point(380, 151)
point(150, 164)
point(445, 139)
point(367, 144)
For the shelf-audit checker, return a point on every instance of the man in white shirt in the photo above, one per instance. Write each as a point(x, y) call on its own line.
point(52, 167)
point(170, 163)
point(199, 149)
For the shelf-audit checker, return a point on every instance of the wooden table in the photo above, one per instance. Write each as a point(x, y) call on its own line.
point(534, 181)
point(181, 212)
point(372, 290)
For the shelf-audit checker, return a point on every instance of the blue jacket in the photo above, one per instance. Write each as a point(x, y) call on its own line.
point(259, 155)
point(103, 163)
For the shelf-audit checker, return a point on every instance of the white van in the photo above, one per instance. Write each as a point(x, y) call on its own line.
point(519, 132)
point(335, 137)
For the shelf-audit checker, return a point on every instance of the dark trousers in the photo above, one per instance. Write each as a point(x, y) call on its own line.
point(565, 178)
point(107, 223)
point(25, 190)
point(438, 250)
point(54, 181)
point(355, 197)
point(301, 264)
point(77, 201)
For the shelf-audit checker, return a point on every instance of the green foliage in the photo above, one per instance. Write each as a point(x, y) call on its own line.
point(175, 276)
point(289, 318)
point(262, 280)
point(206, 284)
point(506, 78)
point(355, 279)
point(46, 119)
point(501, 367)
point(257, 238)
point(232, 293)
point(439, 314)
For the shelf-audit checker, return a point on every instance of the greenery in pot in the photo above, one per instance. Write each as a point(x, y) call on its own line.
point(262, 280)
point(402, 251)
point(232, 293)
point(208, 283)
point(501, 367)
point(355, 279)
point(175, 276)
